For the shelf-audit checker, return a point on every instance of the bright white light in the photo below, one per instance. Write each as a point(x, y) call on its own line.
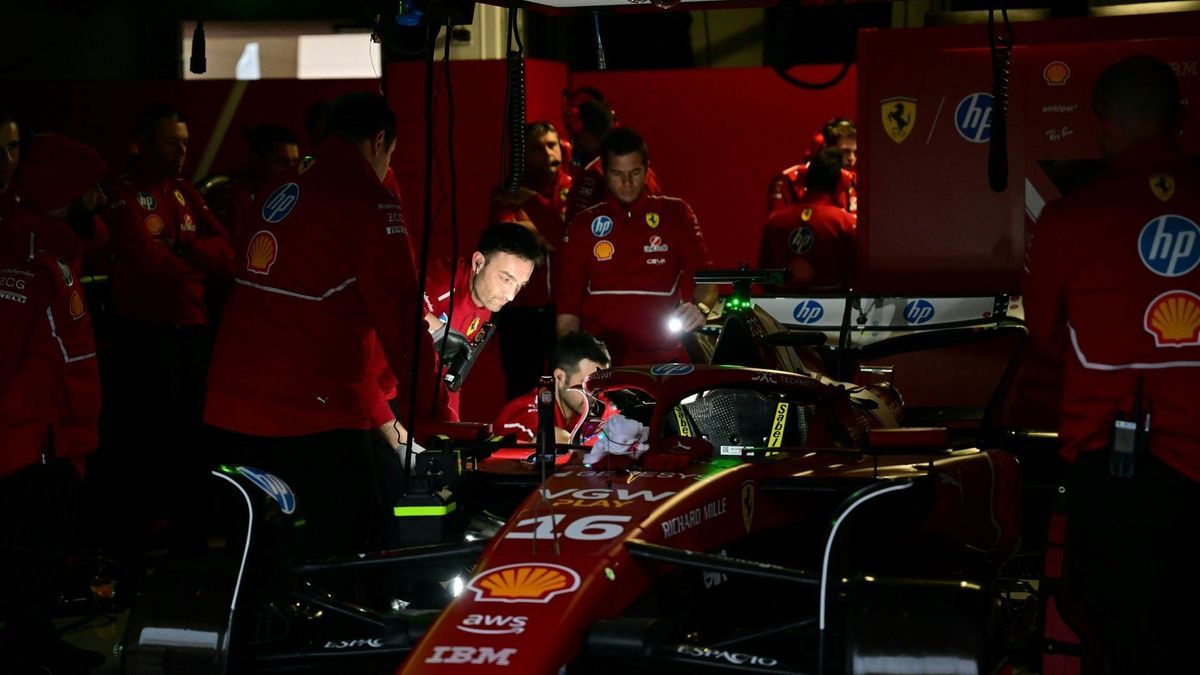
point(338, 56)
point(456, 586)
point(248, 66)
point(674, 325)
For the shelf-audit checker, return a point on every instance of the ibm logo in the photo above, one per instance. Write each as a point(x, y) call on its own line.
point(973, 117)
point(1167, 245)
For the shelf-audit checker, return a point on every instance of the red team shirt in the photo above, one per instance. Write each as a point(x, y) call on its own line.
point(815, 236)
point(626, 269)
point(468, 318)
point(520, 416)
point(788, 188)
point(1116, 263)
point(166, 244)
point(547, 211)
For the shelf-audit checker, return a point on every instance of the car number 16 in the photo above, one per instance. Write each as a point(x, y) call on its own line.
point(588, 528)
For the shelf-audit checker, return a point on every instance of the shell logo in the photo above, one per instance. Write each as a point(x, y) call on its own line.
point(603, 250)
point(76, 307)
point(1056, 73)
point(1173, 318)
point(262, 252)
point(154, 225)
point(537, 583)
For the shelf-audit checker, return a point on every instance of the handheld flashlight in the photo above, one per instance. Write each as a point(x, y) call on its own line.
point(674, 324)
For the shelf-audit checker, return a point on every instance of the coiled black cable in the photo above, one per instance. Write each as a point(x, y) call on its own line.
point(514, 109)
point(1000, 47)
point(453, 206)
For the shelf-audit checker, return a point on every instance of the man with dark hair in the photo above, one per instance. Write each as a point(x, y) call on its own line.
point(629, 262)
point(526, 325)
point(788, 187)
point(813, 239)
point(323, 276)
point(576, 356)
point(1113, 287)
point(273, 148)
point(588, 189)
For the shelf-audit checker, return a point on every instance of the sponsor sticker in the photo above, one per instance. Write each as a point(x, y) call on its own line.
point(656, 245)
point(801, 239)
point(373, 643)
point(64, 271)
point(602, 226)
point(917, 312)
point(18, 298)
point(147, 201)
point(1173, 318)
point(899, 116)
point(179, 198)
point(76, 305)
point(1163, 186)
point(778, 426)
point(536, 583)
point(747, 504)
point(682, 523)
point(601, 498)
point(493, 624)
point(656, 261)
point(652, 220)
point(603, 250)
point(808, 312)
point(476, 656)
point(973, 117)
point(154, 225)
point(1056, 73)
point(273, 486)
point(188, 225)
point(10, 282)
point(667, 369)
point(262, 252)
point(1168, 245)
point(720, 655)
point(280, 203)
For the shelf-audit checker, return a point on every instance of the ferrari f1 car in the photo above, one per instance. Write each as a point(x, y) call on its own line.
point(765, 522)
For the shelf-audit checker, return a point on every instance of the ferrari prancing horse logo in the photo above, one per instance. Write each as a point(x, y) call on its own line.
point(1163, 186)
point(747, 504)
point(899, 116)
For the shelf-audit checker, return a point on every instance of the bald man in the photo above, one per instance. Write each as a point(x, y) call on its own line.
point(1113, 286)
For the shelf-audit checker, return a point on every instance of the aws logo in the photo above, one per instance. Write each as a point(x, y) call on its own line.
point(493, 624)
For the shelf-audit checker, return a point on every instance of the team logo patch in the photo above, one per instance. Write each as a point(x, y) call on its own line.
point(1168, 246)
point(973, 117)
point(524, 582)
point(652, 220)
point(147, 201)
point(179, 198)
point(602, 226)
point(65, 271)
point(801, 239)
point(262, 252)
point(188, 225)
point(747, 504)
point(473, 327)
point(899, 116)
point(809, 311)
point(918, 311)
point(76, 305)
point(154, 224)
point(272, 485)
point(280, 203)
point(1056, 73)
point(603, 250)
point(1163, 186)
point(806, 215)
point(666, 369)
point(656, 245)
point(1173, 318)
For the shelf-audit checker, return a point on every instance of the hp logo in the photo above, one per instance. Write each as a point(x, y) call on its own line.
point(973, 118)
point(918, 311)
point(672, 369)
point(281, 202)
point(809, 311)
point(1168, 247)
point(273, 486)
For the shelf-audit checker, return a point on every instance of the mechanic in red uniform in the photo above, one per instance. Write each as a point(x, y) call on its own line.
point(628, 263)
point(1113, 282)
point(49, 409)
point(589, 187)
point(788, 187)
point(273, 148)
point(813, 239)
point(500, 267)
point(526, 325)
point(576, 356)
point(168, 252)
point(326, 274)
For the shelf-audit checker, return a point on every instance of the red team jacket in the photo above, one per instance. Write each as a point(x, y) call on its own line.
point(166, 245)
point(468, 318)
point(814, 239)
point(1116, 264)
point(520, 416)
point(327, 271)
point(546, 209)
point(625, 269)
point(49, 379)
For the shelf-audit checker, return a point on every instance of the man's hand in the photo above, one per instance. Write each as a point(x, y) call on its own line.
point(690, 317)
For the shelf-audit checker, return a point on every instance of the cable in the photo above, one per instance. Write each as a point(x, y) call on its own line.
point(601, 62)
point(783, 25)
point(1000, 47)
point(453, 204)
point(514, 109)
